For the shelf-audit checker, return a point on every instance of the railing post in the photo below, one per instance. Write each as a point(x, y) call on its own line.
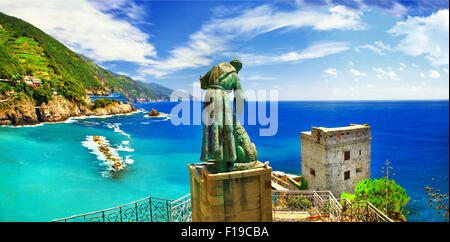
point(151, 210)
point(367, 211)
point(103, 215)
point(136, 210)
point(120, 212)
point(167, 206)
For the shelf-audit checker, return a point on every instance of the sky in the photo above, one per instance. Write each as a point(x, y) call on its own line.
point(304, 49)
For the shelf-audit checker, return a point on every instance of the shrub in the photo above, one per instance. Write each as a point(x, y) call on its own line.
point(42, 94)
point(374, 191)
point(303, 183)
point(349, 196)
point(4, 87)
point(103, 102)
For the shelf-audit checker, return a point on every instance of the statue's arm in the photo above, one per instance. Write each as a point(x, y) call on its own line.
point(204, 80)
point(239, 98)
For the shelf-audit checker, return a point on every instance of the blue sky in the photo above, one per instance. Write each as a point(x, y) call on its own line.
point(307, 50)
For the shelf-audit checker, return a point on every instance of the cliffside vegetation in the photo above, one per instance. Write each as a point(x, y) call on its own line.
point(103, 102)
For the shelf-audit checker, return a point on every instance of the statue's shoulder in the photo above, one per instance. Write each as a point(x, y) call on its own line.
point(214, 73)
point(225, 67)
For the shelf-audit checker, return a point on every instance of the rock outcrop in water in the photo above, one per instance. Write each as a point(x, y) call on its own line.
point(115, 163)
point(56, 110)
point(153, 113)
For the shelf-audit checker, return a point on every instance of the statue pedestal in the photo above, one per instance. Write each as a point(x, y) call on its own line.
point(236, 196)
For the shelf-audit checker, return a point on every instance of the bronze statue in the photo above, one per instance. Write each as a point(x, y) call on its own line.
point(225, 141)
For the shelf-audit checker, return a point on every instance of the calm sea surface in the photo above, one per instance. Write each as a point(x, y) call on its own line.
point(51, 171)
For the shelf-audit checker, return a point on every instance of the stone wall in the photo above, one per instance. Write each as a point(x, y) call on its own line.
point(237, 196)
point(358, 166)
point(324, 150)
point(313, 157)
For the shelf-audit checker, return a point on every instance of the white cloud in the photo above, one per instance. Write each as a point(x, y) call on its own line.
point(314, 51)
point(331, 71)
point(434, 74)
point(398, 10)
point(370, 85)
point(84, 29)
point(217, 36)
point(422, 75)
point(351, 63)
point(427, 36)
point(388, 73)
point(357, 73)
point(402, 66)
point(124, 7)
point(378, 47)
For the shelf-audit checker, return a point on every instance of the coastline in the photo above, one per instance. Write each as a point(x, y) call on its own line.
point(70, 119)
point(57, 111)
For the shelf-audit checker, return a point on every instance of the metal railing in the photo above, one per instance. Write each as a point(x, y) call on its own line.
point(361, 211)
point(149, 209)
point(180, 210)
point(314, 203)
point(319, 204)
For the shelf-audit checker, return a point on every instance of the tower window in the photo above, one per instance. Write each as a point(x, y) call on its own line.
point(346, 175)
point(359, 152)
point(359, 170)
point(312, 171)
point(347, 155)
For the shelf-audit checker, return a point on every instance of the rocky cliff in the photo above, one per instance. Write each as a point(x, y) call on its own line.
point(57, 110)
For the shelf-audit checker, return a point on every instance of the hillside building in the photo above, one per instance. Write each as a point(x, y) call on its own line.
point(32, 81)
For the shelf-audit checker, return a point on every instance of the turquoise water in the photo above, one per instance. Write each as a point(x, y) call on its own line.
point(48, 171)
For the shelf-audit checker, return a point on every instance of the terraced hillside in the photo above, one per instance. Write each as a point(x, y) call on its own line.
point(26, 50)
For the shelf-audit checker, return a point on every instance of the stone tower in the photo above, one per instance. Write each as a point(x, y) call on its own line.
point(336, 159)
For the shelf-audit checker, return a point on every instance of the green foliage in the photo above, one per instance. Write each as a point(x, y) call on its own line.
point(349, 196)
point(73, 91)
point(22, 87)
point(303, 183)
point(42, 94)
point(103, 102)
point(4, 87)
point(10, 67)
point(374, 191)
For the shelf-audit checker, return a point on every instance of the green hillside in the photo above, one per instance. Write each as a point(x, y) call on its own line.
point(128, 87)
point(26, 50)
point(160, 91)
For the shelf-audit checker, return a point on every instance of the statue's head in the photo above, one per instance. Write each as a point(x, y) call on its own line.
point(236, 64)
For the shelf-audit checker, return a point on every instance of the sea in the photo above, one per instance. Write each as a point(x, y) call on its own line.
point(53, 170)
